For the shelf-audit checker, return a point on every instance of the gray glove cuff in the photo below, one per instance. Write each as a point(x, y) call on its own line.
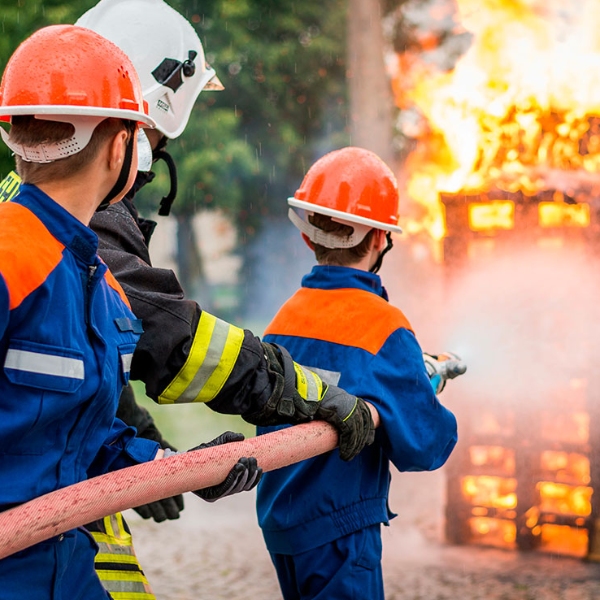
point(169, 452)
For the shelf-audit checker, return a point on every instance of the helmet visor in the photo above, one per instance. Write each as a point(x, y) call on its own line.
point(214, 83)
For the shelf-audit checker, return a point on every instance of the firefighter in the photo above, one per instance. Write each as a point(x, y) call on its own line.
point(186, 354)
point(326, 543)
point(74, 132)
point(74, 104)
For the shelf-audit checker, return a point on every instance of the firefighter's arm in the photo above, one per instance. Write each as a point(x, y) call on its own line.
point(300, 395)
point(188, 355)
point(122, 449)
point(417, 432)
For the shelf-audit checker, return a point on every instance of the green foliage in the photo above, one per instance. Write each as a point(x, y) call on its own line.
point(246, 148)
point(213, 165)
point(283, 67)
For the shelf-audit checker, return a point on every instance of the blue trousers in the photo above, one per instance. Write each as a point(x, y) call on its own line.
point(348, 568)
point(61, 568)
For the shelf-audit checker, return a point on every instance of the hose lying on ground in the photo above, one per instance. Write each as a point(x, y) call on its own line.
point(96, 498)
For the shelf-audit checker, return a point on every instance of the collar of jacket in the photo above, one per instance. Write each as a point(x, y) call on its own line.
point(68, 230)
point(325, 277)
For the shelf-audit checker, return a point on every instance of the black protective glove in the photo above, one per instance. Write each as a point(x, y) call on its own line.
point(244, 475)
point(167, 508)
point(300, 396)
point(137, 416)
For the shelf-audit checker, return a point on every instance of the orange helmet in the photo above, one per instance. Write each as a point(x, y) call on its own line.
point(354, 187)
point(70, 74)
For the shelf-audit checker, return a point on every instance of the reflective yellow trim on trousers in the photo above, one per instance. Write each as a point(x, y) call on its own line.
point(116, 564)
point(213, 354)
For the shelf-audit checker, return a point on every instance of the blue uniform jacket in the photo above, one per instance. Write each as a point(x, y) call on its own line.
point(340, 324)
point(66, 342)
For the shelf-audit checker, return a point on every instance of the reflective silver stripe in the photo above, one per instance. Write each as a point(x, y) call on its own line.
point(328, 377)
point(126, 362)
point(213, 357)
point(44, 364)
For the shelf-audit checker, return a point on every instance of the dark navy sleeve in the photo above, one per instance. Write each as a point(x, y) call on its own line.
point(417, 432)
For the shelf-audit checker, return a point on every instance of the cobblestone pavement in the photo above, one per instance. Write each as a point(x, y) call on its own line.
point(215, 551)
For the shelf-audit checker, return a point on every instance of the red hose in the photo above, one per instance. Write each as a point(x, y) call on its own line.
point(96, 498)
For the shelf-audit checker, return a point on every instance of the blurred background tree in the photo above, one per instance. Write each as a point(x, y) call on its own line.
point(284, 65)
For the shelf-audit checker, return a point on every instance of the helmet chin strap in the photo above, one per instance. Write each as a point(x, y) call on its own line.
point(375, 268)
point(167, 201)
point(121, 182)
point(145, 177)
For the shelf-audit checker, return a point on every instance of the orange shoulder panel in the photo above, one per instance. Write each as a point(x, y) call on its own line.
point(349, 317)
point(115, 285)
point(25, 266)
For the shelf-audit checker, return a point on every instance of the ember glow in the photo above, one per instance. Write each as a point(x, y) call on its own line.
point(518, 112)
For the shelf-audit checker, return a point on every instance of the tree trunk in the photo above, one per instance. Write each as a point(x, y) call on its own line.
point(371, 102)
point(189, 263)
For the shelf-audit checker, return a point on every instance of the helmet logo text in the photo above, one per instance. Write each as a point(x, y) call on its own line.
point(162, 105)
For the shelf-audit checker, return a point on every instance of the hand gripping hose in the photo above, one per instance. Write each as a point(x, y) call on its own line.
point(96, 498)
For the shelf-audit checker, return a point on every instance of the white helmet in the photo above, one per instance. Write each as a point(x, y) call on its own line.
point(166, 52)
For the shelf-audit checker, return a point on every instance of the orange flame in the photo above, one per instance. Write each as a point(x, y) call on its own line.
point(518, 112)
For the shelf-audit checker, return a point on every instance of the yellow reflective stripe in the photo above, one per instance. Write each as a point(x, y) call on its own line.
point(116, 548)
point(119, 528)
point(9, 187)
point(108, 526)
point(114, 528)
point(308, 384)
point(117, 556)
point(301, 381)
point(214, 352)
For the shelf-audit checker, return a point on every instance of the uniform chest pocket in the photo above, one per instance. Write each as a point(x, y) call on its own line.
point(44, 367)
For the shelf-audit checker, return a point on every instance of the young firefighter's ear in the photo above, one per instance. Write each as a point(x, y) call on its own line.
point(116, 150)
point(307, 241)
point(379, 240)
point(122, 163)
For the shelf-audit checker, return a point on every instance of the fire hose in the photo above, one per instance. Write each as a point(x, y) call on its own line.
point(73, 506)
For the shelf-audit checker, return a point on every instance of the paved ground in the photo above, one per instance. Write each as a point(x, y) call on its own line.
point(215, 552)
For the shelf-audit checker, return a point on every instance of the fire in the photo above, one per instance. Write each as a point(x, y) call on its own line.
point(519, 111)
point(552, 510)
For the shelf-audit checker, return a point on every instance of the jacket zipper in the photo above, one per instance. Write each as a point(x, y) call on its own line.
point(88, 290)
